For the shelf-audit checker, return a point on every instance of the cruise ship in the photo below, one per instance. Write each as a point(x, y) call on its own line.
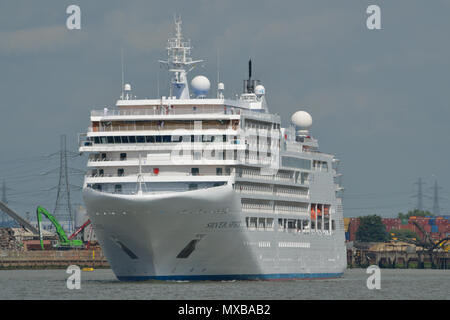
point(196, 186)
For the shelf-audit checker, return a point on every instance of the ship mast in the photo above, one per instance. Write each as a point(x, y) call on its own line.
point(179, 62)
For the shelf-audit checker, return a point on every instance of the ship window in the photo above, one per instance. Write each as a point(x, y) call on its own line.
point(333, 225)
point(117, 139)
point(193, 186)
point(103, 139)
point(166, 138)
point(125, 139)
point(132, 139)
point(313, 224)
point(195, 171)
point(197, 155)
point(253, 222)
point(103, 156)
point(110, 139)
point(269, 223)
point(224, 137)
point(158, 139)
point(296, 163)
point(118, 188)
point(261, 223)
point(291, 224)
point(280, 224)
point(120, 172)
point(227, 171)
point(100, 172)
point(218, 171)
point(140, 139)
point(97, 187)
point(96, 139)
point(123, 156)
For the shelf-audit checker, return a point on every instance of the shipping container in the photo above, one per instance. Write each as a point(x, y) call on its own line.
point(434, 229)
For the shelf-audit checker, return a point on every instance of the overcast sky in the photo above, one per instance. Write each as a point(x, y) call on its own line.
point(380, 99)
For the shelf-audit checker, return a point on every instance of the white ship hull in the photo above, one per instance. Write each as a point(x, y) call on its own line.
point(201, 235)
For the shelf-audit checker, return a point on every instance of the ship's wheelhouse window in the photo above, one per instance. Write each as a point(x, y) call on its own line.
point(166, 138)
point(117, 139)
point(150, 139)
point(193, 186)
point(218, 171)
point(158, 139)
point(123, 156)
point(118, 188)
point(195, 171)
point(110, 139)
point(120, 172)
point(97, 140)
point(103, 139)
point(140, 139)
point(132, 139)
point(218, 184)
point(124, 139)
point(177, 138)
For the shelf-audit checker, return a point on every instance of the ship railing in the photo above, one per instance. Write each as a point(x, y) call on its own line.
point(149, 174)
point(166, 111)
point(162, 127)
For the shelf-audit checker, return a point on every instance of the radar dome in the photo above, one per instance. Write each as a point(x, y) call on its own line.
point(260, 90)
point(200, 85)
point(127, 87)
point(302, 119)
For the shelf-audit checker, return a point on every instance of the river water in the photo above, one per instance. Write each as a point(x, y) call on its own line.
point(102, 284)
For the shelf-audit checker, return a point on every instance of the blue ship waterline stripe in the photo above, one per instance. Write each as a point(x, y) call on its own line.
point(276, 276)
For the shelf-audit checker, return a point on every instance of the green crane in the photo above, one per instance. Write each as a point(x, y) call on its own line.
point(63, 240)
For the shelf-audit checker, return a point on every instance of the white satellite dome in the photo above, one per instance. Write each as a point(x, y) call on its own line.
point(260, 90)
point(200, 85)
point(302, 119)
point(127, 87)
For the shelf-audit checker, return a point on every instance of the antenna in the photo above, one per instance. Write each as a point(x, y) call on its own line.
point(218, 68)
point(121, 58)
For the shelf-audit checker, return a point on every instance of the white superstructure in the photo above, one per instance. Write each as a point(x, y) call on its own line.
point(193, 187)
